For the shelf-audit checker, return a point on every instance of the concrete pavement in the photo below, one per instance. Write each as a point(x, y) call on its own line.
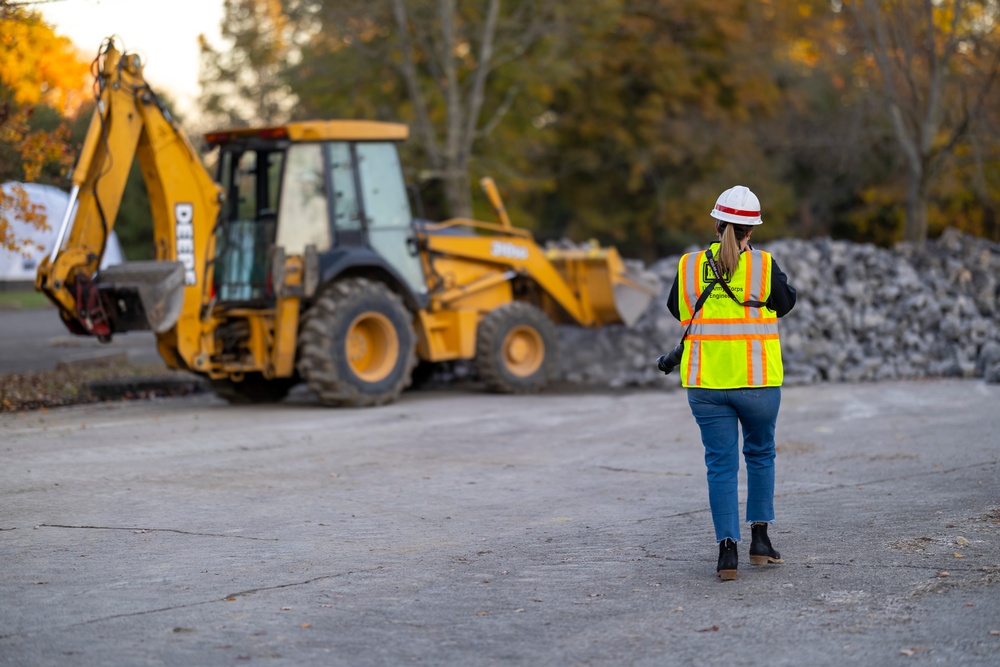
point(472, 529)
point(37, 340)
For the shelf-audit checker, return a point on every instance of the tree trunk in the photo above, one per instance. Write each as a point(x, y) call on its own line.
point(457, 193)
point(915, 225)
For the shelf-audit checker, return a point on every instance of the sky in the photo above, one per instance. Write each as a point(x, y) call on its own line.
point(164, 32)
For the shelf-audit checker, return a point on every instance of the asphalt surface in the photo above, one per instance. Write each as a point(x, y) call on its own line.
point(461, 528)
point(37, 340)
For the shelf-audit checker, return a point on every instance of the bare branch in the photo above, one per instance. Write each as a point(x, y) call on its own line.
point(971, 114)
point(482, 71)
point(452, 92)
point(880, 51)
point(500, 112)
point(409, 69)
point(434, 58)
point(528, 38)
point(938, 72)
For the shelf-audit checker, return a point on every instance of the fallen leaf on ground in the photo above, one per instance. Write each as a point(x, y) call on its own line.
point(714, 628)
point(958, 555)
point(943, 574)
point(961, 541)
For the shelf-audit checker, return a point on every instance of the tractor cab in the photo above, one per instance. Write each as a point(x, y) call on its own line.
point(334, 185)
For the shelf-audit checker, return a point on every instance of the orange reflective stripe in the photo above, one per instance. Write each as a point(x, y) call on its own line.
point(688, 282)
point(696, 275)
point(682, 286)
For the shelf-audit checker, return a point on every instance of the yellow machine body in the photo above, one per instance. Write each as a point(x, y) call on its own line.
point(475, 271)
point(469, 268)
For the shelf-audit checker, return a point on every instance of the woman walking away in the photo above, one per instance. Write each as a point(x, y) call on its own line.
point(730, 297)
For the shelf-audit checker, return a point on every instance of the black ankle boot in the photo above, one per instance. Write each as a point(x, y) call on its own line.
point(729, 559)
point(761, 551)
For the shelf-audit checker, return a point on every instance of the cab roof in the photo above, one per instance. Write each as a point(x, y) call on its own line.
point(317, 130)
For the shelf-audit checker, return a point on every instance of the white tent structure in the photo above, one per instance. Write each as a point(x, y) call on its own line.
point(21, 267)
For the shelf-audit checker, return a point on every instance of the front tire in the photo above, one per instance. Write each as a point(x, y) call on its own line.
point(516, 349)
point(357, 346)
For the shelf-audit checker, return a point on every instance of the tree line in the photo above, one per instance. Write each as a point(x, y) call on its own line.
point(872, 120)
point(868, 120)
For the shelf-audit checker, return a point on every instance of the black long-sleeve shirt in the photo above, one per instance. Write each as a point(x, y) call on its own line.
point(780, 300)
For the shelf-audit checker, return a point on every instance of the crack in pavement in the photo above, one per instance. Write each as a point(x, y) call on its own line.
point(160, 530)
point(832, 487)
point(191, 605)
point(871, 482)
point(233, 596)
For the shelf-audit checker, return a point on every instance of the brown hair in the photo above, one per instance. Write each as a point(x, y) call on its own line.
point(729, 246)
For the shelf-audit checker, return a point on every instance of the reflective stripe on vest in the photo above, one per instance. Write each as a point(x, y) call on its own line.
point(728, 345)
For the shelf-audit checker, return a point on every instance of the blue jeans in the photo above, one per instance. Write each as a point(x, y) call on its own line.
point(719, 412)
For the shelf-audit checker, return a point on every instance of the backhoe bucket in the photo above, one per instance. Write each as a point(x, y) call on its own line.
point(142, 295)
point(611, 291)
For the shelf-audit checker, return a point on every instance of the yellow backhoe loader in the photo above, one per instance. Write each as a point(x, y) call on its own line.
point(301, 260)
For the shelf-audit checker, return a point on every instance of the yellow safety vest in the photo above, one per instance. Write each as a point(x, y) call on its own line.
point(729, 346)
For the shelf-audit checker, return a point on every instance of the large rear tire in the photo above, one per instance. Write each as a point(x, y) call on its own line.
point(516, 349)
point(253, 389)
point(357, 346)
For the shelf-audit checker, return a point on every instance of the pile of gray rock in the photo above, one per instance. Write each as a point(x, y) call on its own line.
point(863, 314)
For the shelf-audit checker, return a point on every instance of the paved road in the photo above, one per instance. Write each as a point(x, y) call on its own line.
point(37, 340)
point(470, 529)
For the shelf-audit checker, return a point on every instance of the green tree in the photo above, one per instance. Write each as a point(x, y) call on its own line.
point(663, 117)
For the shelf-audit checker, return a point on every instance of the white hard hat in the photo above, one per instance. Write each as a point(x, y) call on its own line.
point(739, 206)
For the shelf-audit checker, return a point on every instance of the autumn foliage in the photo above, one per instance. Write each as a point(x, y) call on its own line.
point(43, 82)
point(624, 119)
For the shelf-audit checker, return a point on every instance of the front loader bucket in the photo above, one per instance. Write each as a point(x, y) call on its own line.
point(633, 290)
point(142, 295)
point(610, 291)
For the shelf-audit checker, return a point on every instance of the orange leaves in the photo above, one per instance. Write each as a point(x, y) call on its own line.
point(40, 67)
point(35, 148)
point(14, 201)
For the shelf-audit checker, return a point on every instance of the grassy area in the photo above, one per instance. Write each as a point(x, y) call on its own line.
point(23, 300)
point(69, 386)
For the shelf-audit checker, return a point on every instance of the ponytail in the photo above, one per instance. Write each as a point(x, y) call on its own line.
point(729, 246)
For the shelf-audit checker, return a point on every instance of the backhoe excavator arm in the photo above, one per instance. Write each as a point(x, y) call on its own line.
point(164, 295)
